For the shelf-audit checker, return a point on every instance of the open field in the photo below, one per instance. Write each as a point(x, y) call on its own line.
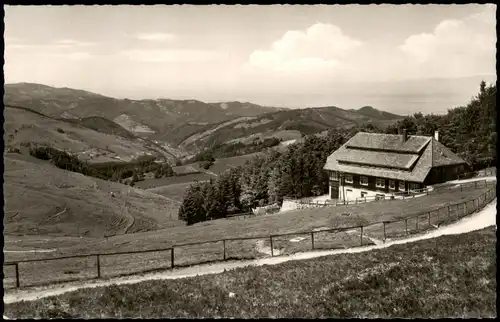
point(175, 187)
point(253, 247)
point(221, 165)
point(175, 191)
point(41, 199)
point(450, 276)
point(188, 178)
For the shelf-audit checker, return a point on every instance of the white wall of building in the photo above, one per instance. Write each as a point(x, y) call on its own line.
point(356, 193)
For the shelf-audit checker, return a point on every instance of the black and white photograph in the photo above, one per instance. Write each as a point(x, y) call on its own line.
point(249, 161)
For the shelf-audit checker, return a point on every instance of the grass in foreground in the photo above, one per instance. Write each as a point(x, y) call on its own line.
point(450, 276)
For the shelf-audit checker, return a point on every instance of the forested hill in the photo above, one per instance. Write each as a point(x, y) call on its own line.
point(469, 131)
point(297, 172)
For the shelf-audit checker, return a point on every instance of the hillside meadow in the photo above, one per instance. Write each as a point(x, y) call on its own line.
point(255, 247)
point(41, 199)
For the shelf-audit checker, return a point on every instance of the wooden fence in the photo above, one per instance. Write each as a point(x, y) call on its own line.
point(488, 172)
point(395, 196)
point(386, 229)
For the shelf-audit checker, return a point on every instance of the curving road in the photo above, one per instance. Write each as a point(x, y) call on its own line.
point(482, 219)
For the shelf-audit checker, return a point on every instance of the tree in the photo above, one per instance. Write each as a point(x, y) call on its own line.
point(192, 208)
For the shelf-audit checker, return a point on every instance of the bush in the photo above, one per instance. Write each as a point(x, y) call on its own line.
point(13, 150)
point(206, 164)
point(60, 130)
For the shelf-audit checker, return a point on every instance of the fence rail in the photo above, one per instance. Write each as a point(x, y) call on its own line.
point(391, 229)
point(480, 173)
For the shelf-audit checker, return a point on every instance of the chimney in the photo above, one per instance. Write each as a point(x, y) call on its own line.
point(405, 136)
point(436, 135)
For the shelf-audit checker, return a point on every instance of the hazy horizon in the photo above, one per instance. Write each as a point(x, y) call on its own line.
point(283, 56)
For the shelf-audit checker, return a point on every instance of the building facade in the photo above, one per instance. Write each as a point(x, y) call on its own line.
point(372, 164)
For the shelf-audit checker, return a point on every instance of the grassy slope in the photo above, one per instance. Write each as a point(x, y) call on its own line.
point(451, 276)
point(175, 191)
point(299, 220)
point(113, 265)
point(22, 126)
point(223, 164)
point(188, 178)
point(41, 199)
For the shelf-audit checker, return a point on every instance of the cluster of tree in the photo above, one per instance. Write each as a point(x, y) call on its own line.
point(297, 172)
point(113, 171)
point(211, 200)
point(469, 131)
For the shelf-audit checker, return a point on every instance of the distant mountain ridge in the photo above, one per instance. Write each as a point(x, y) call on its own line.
point(285, 125)
point(158, 115)
point(373, 112)
point(188, 125)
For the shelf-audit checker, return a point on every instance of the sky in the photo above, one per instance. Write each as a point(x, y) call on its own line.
point(278, 55)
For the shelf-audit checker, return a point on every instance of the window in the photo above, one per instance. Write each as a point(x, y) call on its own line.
point(348, 178)
point(401, 186)
point(363, 180)
point(380, 183)
point(334, 175)
point(363, 194)
point(413, 186)
point(348, 190)
point(392, 184)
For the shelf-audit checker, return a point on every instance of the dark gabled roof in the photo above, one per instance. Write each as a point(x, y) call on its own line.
point(387, 156)
point(442, 156)
point(375, 158)
point(388, 142)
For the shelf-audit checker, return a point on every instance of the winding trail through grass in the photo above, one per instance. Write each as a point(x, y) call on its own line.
point(482, 219)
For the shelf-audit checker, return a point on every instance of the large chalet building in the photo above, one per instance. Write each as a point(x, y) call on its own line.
point(372, 164)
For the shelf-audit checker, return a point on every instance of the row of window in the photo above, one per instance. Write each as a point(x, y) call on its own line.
point(379, 182)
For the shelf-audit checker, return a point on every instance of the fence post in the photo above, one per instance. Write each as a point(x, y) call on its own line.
point(448, 217)
point(272, 248)
point(361, 235)
point(312, 240)
point(17, 275)
point(98, 266)
point(384, 231)
point(416, 224)
point(224, 245)
point(172, 256)
point(476, 184)
point(429, 219)
point(406, 226)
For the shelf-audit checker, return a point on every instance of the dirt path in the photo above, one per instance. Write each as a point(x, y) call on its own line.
point(131, 218)
point(259, 246)
point(54, 216)
point(485, 218)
